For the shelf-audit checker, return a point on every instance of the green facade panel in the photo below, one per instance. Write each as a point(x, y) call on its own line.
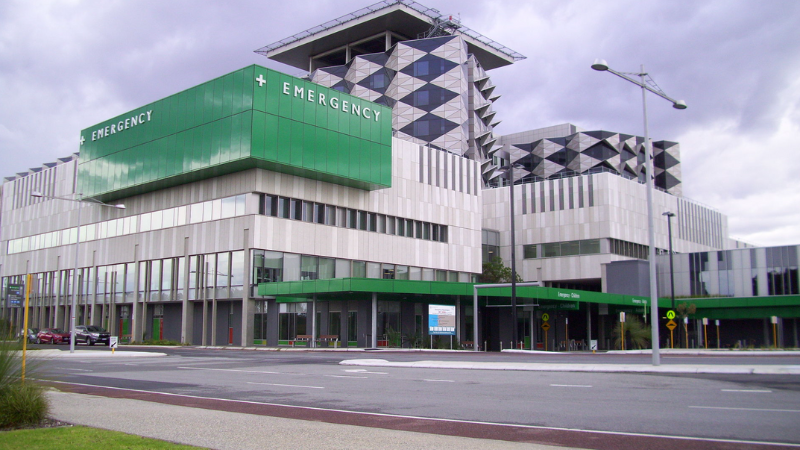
point(254, 117)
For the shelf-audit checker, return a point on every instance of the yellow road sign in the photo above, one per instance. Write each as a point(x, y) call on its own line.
point(670, 314)
point(545, 317)
point(671, 325)
point(545, 326)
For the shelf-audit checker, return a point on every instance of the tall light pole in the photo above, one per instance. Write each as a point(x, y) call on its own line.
point(670, 215)
point(73, 306)
point(506, 154)
point(602, 66)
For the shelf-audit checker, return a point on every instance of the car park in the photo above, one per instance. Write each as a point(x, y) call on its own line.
point(91, 334)
point(52, 336)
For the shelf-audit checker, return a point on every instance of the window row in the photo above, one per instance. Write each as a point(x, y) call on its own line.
point(554, 249)
point(222, 208)
point(323, 214)
point(269, 266)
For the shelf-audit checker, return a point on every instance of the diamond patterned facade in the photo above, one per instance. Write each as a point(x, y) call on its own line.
point(586, 152)
point(439, 94)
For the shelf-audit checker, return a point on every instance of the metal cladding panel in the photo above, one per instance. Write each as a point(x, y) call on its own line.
point(254, 117)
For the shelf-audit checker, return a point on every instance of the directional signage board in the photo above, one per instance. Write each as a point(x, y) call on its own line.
point(671, 325)
point(545, 326)
point(15, 294)
point(442, 320)
point(670, 314)
point(545, 317)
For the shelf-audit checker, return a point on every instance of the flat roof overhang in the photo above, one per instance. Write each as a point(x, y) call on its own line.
point(433, 291)
point(398, 18)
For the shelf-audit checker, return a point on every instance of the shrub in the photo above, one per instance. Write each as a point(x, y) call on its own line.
point(637, 332)
point(21, 403)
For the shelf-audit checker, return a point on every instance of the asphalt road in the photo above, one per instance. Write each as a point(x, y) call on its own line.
point(736, 407)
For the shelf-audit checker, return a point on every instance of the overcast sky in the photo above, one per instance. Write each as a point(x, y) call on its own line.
point(67, 65)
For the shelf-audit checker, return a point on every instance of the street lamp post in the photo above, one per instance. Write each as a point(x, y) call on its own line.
point(602, 66)
point(73, 306)
point(670, 215)
point(505, 154)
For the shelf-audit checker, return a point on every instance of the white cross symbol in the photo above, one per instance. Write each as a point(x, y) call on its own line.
point(82, 140)
point(261, 80)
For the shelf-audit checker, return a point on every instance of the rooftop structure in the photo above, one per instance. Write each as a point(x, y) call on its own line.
point(375, 29)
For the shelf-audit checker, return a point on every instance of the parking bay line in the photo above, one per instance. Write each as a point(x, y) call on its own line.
point(287, 385)
point(229, 370)
point(747, 390)
point(746, 409)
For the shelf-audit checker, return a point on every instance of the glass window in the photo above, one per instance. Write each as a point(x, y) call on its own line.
point(590, 246)
point(145, 225)
point(362, 220)
point(241, 204)
point(570, 248)
point(284, 207)
point(359, 269)
point(373, 270)
point(390, 223)
point(529, 251)
point(414, 273)
point(443, 233)
point(295, 209)
point(267, 266)
point(352, 218)
point(237, 273)
point(330, 215)
point(168, 218)
point(372, 222)
point(308, 212)
point(409, 227)
point(180, 217)
point(319, 213)
point(208, 211)
point(156, 220)
point(401, 272)
point(426, 231)
point(441, 275)
point(388, 272)
point(308, 268)
point(326, 268)
point(551, 250)
point(341, 217)
point(427, 274)
point(418, 233)
point(270, 205)
point(228, 207)
point(381, 223)
point(195, 213)
point(291, 267)
point(343, 268)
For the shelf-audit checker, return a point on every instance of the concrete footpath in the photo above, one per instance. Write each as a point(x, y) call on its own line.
point(229, 430)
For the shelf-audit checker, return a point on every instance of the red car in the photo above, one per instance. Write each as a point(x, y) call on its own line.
point(52, 336)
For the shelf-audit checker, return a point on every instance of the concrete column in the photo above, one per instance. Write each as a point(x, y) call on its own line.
point(204, 293)
point(187, 307)
point(374, 343)
point(248, 304)
point(313, 320)
point(136, 326)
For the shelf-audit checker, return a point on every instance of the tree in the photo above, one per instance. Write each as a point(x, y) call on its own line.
point(495, 271)
point(682, 311)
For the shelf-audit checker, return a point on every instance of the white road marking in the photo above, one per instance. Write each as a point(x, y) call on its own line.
point(344, 376)
point(441, 381)
point(287, 385)
point(79, 370)
point(746, 390)
point(228, 370)
point(365, 371)
point(746, 409)
point(571, 385)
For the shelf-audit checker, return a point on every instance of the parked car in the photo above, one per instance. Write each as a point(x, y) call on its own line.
point(52, 336)
point(30, 335)
point(91, 334)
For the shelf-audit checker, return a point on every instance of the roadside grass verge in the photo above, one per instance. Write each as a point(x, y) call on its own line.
point(81, 438)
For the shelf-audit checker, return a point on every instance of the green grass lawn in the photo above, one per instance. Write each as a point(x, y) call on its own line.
point(80, 438)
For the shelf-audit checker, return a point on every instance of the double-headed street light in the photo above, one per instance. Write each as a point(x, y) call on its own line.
point(602, 66)
point(73, 307)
